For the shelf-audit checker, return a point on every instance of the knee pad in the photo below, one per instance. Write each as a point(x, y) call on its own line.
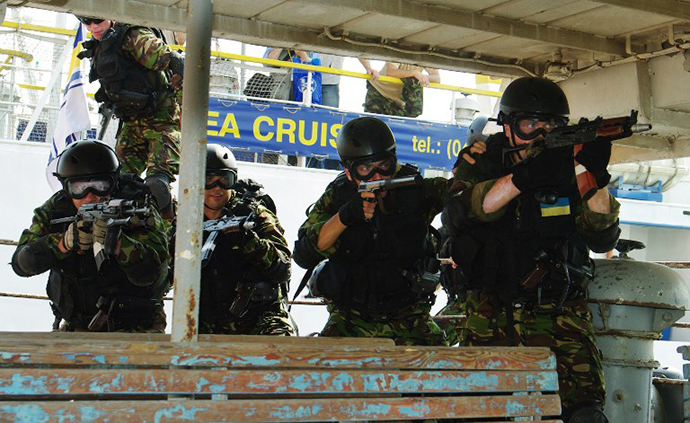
point(160, 188)
point(587, 413)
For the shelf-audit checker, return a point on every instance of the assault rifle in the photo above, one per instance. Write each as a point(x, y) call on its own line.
point(225, 225)
point(117, 214)
point(588, 131)
point(391, 183)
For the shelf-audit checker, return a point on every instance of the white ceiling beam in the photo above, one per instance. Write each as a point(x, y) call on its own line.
point(672, 8)
point(485, 23)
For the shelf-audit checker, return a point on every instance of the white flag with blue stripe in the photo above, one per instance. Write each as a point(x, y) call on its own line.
point(74, 114)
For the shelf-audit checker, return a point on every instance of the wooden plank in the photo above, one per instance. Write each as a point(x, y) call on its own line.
point(285, 410)
point(162, 337)
point(36, 382)
point(240, 355)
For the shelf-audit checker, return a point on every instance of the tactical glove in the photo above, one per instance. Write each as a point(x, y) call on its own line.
point(99, 231)
point(595, 157)
point(352, 212)
point(541, 171)
point(77, 237)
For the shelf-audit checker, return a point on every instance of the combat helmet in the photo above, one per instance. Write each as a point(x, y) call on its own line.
point(220, 161)
point(85, 160)
point(535, 96)
point(365, 138)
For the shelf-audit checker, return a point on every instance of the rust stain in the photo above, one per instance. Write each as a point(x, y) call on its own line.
point(191, 320)
point(186, 191)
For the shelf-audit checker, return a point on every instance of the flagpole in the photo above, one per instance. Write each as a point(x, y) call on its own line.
point(49, 88)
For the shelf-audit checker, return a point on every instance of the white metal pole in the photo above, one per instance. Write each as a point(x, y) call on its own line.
point(185, 326)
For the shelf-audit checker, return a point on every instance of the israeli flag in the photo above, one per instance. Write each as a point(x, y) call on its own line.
point(74, 114)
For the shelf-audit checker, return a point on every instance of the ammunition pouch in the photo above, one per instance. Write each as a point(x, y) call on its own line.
point(127, 104)
point(265, 292)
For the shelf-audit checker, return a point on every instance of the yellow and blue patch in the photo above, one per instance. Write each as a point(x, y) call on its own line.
point(560, 208)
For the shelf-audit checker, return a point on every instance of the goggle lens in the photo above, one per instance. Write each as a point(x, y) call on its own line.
point(80, 188)
point(529, 127)
point(367, 168)
point(225, 180)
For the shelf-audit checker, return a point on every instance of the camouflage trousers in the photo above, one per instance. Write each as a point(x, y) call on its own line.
point(151, 144)
point(410, 326)
point(269, 320)
point(570, 335)
point(412, 96)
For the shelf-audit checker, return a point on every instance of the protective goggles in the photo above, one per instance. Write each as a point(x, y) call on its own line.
point(529, 127)
point(224, 179)
point(365, 169)
point(88, 21)
point(80, 188)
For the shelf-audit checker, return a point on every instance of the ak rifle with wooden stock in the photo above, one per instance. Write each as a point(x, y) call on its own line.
point(589, 131)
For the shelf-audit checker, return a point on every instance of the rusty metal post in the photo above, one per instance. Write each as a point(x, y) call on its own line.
point(185, 326)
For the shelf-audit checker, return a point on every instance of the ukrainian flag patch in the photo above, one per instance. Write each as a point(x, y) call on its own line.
point(560, 208)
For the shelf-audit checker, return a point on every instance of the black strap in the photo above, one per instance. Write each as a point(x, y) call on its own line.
point(302, 284)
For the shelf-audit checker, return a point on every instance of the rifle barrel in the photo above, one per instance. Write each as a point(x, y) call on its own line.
point(640, 127)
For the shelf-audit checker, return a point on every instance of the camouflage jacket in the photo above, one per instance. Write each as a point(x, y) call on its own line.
point(434, 191)
point(256, 261)
point(503, 246)
point(141, 46)
point(140, 269)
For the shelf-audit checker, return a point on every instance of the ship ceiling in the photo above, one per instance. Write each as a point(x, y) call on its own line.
point(578, 42)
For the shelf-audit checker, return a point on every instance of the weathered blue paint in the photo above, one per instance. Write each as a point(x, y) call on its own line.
point(418, 410)
point(10, 356)
point(201, 383)
point(366, 410)
point(548, 364)
point(272, 377)
point(343, 382)
point(179, 411)
point(25, 413)
point(545, 381)
point(194, 360)
point(419, 381)
point(514, 408)
point(299, 412)
point(97, 358)
point(303, 382)
point(123, 359)
point(375, 383)
point(97, 387)
point(89, 414)
point(446, 364)
point(494, 364)
point(257, 360)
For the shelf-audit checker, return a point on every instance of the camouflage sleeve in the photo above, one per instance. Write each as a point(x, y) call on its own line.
point(265, 245)
point(144, 253)
point(476, 194)
point(307, 253)
point(37, 245)
point(593, 221)
point(435, 194)
point(142, 45)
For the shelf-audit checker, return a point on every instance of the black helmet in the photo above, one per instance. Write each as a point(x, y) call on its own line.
point(219, 157)
point(364, 137)
point(533, 95)
point(87, 158)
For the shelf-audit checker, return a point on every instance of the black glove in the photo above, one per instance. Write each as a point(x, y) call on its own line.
point(454, 215)
point(353, 211)
point(541, 171)
point(595, 157)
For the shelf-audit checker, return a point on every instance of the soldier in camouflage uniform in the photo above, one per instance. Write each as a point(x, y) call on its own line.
point(387, 98)
point(377, 245)
point(244, 283)
point(126, 292)
point(521, 235)
point(140, 77)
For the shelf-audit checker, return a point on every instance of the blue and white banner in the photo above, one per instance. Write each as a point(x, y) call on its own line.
point(286, 129)
point(74, 114)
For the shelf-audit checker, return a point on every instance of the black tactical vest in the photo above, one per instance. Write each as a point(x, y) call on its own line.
point(499, 255)
point(74, 284)
point(129, 88)
point(228, 268)
point(377, 259)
